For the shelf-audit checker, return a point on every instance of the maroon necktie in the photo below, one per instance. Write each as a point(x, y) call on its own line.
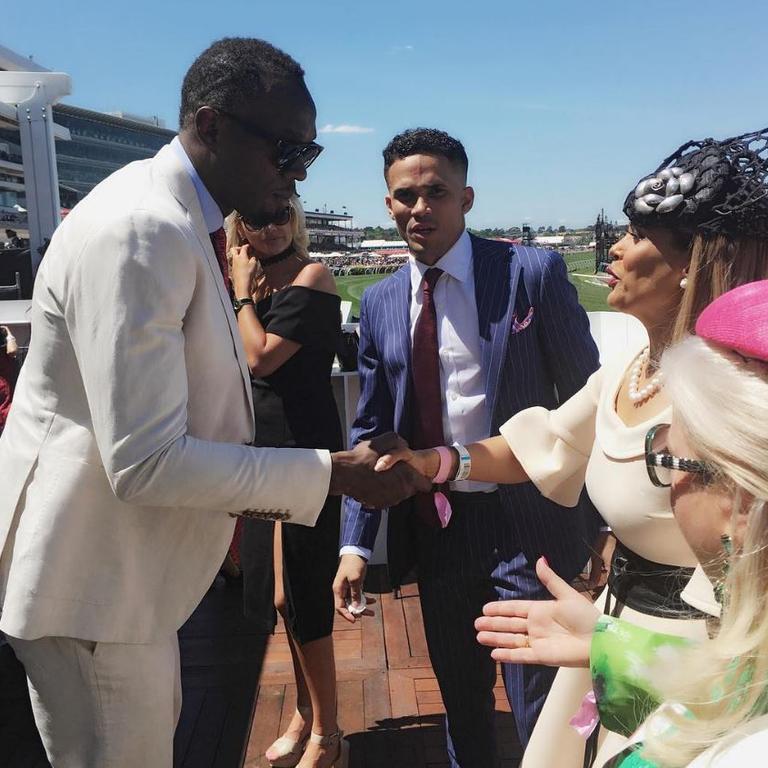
point(219, 242)
point(427, 390)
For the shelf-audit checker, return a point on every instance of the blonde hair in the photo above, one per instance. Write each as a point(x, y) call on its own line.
point(299, 243)
point(717, 264)
point(721, 404)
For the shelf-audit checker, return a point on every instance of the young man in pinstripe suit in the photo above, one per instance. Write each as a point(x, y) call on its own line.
point(507, 333)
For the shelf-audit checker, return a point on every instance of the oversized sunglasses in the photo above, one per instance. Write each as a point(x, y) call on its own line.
point(289, 153)
point(280, 219)
point(660, 463)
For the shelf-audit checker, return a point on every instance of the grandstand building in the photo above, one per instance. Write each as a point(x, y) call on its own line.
point(330, 231)
point(89, 146)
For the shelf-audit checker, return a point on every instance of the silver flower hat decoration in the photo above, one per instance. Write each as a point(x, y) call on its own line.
point(707, 186)
point(664, 191)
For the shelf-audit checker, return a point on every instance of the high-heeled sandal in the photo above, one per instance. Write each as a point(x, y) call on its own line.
point(342, 758)
point(288, 751)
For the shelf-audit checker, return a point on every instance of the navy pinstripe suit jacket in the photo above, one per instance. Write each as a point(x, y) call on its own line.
point(541, 364)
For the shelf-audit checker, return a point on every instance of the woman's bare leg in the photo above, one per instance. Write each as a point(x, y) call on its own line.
point(301, 722)
point(315, 672)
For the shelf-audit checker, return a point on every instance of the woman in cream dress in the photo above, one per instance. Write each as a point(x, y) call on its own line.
point(675, 258)
point(684, 704)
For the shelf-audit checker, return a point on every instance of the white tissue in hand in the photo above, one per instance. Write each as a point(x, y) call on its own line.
point(357, 609)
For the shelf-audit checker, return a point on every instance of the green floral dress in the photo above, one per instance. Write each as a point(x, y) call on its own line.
point(621, 659)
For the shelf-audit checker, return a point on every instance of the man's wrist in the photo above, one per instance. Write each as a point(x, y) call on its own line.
point(338, 484)
point(362, 552)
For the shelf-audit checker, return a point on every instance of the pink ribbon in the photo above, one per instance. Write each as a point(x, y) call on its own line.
point(586, 719)
point(443, 507)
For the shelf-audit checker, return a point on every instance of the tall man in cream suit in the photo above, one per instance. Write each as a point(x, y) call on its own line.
point(126, 447)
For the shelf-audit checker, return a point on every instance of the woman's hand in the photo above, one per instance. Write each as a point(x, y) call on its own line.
point(243, 269)
point(557, 633)
point(426, 462)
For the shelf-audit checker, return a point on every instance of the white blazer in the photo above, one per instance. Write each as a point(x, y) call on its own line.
point(125, 446)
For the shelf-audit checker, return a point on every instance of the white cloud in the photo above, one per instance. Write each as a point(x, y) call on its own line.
point(344, 128)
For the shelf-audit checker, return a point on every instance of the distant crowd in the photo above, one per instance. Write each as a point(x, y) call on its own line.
point(362, 259)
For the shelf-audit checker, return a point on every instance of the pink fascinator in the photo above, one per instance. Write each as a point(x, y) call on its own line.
point(738, 320)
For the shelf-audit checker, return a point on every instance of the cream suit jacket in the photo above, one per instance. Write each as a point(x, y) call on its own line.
point(126, 444)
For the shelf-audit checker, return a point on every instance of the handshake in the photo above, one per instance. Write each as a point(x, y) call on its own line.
point(381, 472)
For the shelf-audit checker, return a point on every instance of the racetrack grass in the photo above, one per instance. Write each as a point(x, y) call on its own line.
point(351, 288)
point(591, 297)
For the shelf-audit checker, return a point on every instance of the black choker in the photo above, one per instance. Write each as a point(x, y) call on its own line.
point(282, 256)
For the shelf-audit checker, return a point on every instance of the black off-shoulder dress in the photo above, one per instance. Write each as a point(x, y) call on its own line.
point(295, 408)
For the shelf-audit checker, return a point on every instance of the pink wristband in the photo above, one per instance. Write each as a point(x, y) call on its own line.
point(445, 465)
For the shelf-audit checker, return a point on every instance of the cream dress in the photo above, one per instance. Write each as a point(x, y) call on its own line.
point(585, 441)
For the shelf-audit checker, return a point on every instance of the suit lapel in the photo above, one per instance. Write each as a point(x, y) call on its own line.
point(183, 190)
point(392, 319)
point(496, 272)
point(402, 352)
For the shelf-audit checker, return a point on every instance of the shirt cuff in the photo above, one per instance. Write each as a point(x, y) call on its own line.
point(360, 551)
point(606, 529)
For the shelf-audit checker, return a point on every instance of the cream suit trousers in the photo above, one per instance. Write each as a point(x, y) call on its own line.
point(103, 705)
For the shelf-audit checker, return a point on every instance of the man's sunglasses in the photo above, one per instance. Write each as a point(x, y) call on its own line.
point(660, 463)
point(289, 153)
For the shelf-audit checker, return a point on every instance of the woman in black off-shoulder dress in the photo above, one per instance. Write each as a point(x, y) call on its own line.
point(290, 326)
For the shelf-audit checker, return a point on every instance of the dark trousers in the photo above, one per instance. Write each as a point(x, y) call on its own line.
point(472, 562)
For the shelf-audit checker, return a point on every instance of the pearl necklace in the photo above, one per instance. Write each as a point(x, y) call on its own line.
point(637, 395)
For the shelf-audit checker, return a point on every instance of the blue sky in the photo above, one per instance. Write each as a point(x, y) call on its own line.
point(562, 105)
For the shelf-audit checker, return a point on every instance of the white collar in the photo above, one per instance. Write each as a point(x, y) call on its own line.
point(456, 261)
point(214, 219)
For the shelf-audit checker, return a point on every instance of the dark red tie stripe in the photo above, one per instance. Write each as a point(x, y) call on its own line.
point(427, 390)
point(219, 242)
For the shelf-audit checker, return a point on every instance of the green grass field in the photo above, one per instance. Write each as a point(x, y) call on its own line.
point(351, 288)
point(592, 297)
point(580, 268)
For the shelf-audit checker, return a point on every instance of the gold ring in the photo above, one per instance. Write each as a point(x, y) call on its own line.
point(526, 642)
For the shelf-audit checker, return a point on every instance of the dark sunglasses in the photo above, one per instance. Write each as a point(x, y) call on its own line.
point(280, 219)
point(289, 152)
point(660, 463)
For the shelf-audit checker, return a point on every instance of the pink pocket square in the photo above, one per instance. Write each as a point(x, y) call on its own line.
point(521, 325)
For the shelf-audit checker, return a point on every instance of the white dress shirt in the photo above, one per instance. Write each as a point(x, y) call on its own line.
point(464, 406)
point(214, 219)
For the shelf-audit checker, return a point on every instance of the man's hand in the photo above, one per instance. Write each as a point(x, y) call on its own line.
point(11, 347)
point(556, 632)
point(348, 586)
point(353, 474)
